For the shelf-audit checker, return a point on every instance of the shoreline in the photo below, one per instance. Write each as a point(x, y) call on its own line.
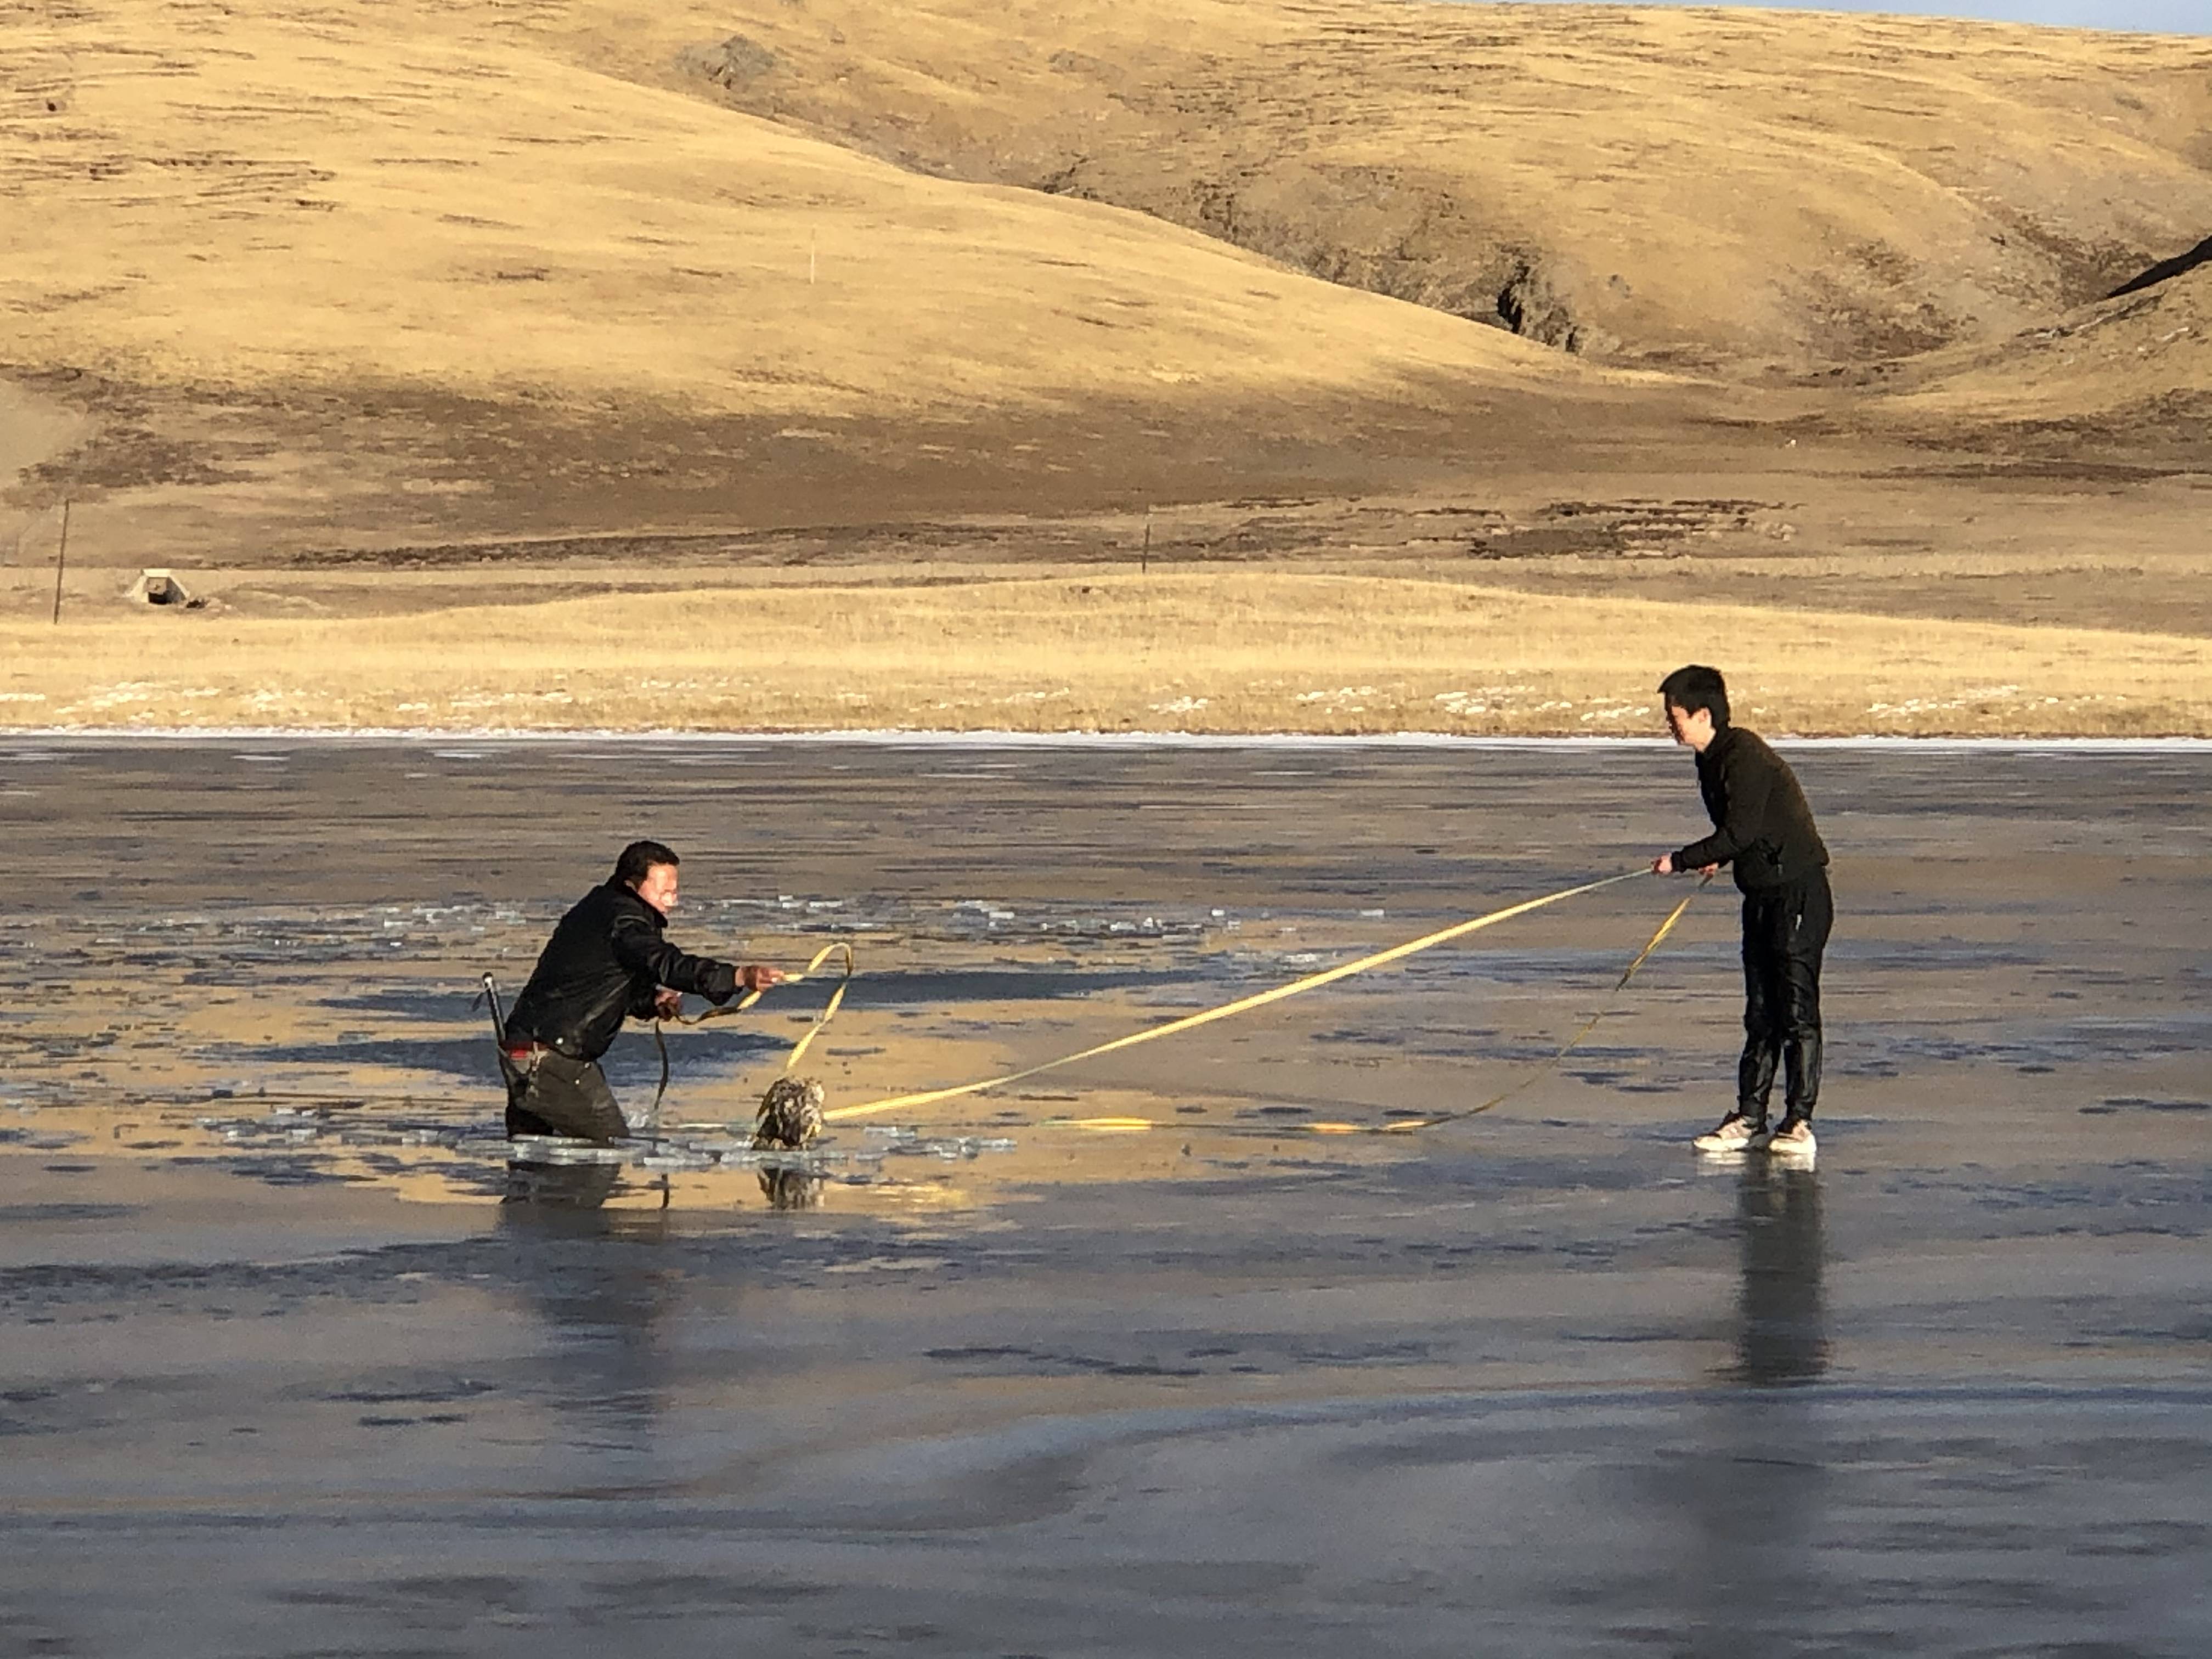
point(893, 737)
point(1230, 654)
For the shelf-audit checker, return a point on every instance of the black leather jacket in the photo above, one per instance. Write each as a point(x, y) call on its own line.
point(1761, 823)
point(605, 961)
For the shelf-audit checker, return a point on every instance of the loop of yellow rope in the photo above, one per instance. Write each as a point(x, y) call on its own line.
point(1243, 1005)
point(814, 965)
point(829, 1012)
point(743, 1003)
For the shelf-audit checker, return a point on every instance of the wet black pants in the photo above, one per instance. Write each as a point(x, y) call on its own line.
point(551, 1094)
point(1785, 932)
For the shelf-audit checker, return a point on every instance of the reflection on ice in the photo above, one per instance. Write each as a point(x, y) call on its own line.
point(425, 1153)
point(792, 1189)
point(1782, 1333)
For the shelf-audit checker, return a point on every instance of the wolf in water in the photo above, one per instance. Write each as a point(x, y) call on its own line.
point(790, 1114)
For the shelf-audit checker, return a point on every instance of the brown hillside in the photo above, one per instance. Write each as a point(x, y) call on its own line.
point(2130, 376)
point(391, 273)
point(1720, 189)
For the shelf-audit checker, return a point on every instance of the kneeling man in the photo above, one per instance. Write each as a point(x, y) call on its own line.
point(607, 959)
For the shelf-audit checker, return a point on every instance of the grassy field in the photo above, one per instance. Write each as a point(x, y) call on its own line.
point(1193, 651)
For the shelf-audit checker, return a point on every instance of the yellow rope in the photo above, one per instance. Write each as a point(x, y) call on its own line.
point(830, 1009)
point(836, 999)
point(1243, 1005)
point(1565, 1049)
point(1134, 1125)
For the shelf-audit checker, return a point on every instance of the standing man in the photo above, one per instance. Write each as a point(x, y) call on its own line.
point(1762, 826)
point(606, 959)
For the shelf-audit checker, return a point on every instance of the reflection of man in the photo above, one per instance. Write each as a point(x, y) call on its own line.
point(1762, 826)
point(1754, 1517)
point(606, 959)
point(1782, 1333)
point(562, 1187)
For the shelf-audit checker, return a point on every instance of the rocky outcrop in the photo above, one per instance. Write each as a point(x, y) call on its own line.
point(1531, 307)
point(731, 63)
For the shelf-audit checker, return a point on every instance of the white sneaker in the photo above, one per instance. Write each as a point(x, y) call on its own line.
point(1734, 1134)
point(1793, 1139)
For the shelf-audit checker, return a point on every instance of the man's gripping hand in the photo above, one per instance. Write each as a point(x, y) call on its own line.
point(759, 978)
point(667, 1004)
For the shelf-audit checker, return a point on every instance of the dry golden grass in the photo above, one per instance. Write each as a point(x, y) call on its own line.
point(1239, 651)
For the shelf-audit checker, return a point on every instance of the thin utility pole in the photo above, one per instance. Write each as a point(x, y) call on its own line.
point(1145, 553)
point(61, 560)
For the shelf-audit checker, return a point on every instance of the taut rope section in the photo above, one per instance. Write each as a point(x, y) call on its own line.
point(1245, 1004)
point(1551, 1063)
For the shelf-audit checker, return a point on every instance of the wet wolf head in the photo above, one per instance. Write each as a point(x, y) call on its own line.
point(790, 1114)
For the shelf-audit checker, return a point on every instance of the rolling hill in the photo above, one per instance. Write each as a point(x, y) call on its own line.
point(301, 278)
point(1729, 190)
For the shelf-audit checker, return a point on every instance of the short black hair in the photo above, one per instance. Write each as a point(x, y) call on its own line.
point(1697, 687)
point(639, 857)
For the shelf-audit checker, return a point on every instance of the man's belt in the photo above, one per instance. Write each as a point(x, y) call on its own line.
point(523, 1051)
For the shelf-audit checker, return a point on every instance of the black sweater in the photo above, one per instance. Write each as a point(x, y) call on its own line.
point(1761, 824)
point(605, 960)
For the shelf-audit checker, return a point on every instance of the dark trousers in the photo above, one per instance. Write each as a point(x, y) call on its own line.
point(1785, 932)
point(549, 1094)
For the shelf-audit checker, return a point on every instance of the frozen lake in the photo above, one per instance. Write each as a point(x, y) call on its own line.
point(296, 1363)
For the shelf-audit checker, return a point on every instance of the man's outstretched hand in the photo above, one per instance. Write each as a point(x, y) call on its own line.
point(1665, 866)
point(667, 1004)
